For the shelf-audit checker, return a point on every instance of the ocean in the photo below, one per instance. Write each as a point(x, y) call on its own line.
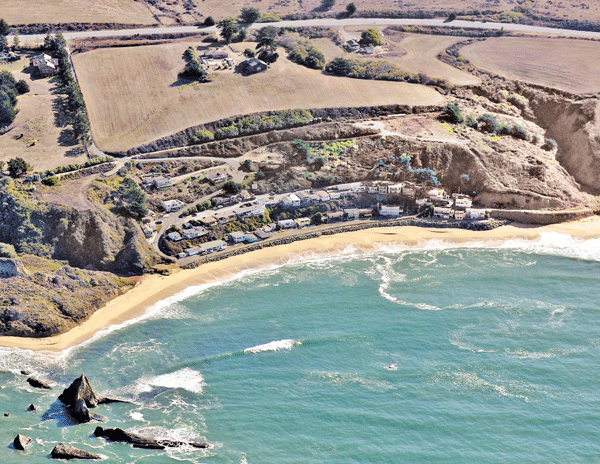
point(437, 354)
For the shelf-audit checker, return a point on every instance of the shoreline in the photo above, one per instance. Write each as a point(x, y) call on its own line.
point(153, 289)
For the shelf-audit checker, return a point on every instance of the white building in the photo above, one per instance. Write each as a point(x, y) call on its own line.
point(237, 237)
point(302, 222)
point(287, 223)
point(174, 236)
point(172, 205)
point(289, 201)
point(389, 210)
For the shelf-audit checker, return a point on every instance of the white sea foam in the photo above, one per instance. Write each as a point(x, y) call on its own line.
point(186, 379)
point(138, 416)
point(277, 345)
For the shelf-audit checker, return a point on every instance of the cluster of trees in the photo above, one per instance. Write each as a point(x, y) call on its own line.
point(370, 37)
point(193, 70)
point(15, 166)
point(133, 199)
point(261, 123)
point(379, 70)
point(485, 123)
point(9, 89)
point(75, 108)
point(303, 51)
point(4, 31)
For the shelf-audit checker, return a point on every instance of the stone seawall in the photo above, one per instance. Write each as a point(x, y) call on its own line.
point(541, 218)
point(468, 225)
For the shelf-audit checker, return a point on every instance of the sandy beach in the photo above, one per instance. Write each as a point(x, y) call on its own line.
point(155, 288)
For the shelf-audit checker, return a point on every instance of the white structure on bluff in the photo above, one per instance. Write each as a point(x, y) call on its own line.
point(389, 210)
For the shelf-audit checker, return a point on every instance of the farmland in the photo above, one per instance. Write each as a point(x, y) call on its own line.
point(134, 96)
point(69, 11)
point(565, 64)
point(37, 134)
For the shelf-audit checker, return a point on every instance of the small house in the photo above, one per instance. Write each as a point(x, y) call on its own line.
point(250, 238)
point(172, 205)
point(208, 221)
point(287, 224)
point(211, 247)
point(334, 216)
point(389, 210)
point(290, 201)
point(174, 236)
point(193, 251)
point(254, 65)
point(193, 233)
point(237, 237)
point(302, 222)
point(441, 213)
point(352, 46)
point(269, 228)
point(217, 176)
point(475, 214)
point(351, 213)
point(323, 196)
point(162, 182)
point(261, 234)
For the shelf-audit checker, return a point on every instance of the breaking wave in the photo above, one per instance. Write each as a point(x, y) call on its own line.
point(278, 345)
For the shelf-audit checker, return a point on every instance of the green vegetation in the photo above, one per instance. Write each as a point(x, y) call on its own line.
point(249, 53)
point(74, 108)
point(350, 9)
point(379, 70)
point(4, 27)
point(133, 199)
point(198, 208)
point(8, 98)
point(453, 114)
point(268, 49)
point(370, 37)
point(232, 187)
point(76, 166)
point(51, 181)
point(321, 152)
point(424, 175)
point(261, 123)
point(249, 15)
point(228, 29)
point(7, 251)
point(201, 136)
point(193, 70)
point(269, 18)
point(303, 51)
point(17, 166)
point(209, 21)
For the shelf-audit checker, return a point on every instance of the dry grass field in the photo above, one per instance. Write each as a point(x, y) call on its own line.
point(34, 135)
point(70, 11)
point(134, 97)
point(566, 64)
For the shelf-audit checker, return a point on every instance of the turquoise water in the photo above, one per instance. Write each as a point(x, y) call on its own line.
point(433, 355)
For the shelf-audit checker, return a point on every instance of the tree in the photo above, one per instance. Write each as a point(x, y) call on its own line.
point(209, 21)
point(228, 29)
point(7, 110)
point(268, 48)
point(350, 9)
point(370, 37)
point(317, 218)
point(48, 42)
point(22, 87)
point(249, 53)
point(267, 31)
point(16, 41)
point(338, 67)
point(3, 43)
point(232, 187)
point(189, 54)
point(4, 27)
point(249, 15)
point(17, 166)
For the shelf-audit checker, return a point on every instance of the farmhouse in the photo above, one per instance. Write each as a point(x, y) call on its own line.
point(254, 65)
point(172, 205)
point(45, 64)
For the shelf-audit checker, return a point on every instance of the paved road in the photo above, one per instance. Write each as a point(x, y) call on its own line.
point(327, 22)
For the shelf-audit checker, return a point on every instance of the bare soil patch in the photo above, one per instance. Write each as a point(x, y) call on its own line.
point(81, 11)
point(566, 64)
point(134, 96)
point(38, 134)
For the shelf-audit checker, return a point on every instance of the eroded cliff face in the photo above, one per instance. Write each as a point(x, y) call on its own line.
point(575, 126)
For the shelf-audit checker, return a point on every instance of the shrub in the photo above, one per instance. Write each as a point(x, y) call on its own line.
point(249, 53)
point(51, 181)
point(471, 121)
point(210, 38)
point(209, 21)
point(7, 251)
point(232, 187)
point(269, 18)
point(453, 114)
point(350, 9)
point(487, 123)
point(249, 15)
point(22, 87)
point(519, 132)
point(306, 54)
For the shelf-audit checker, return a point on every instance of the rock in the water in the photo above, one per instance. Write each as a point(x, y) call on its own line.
point(31, 408)
point(6, 414)
point(36, 383)
point(139, 441)
point(63, 451)
point(80, 396)
point(25, 372)
point(20, 442)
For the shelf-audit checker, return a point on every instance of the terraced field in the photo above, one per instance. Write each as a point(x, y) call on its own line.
point(566, 64)
point(133, 94)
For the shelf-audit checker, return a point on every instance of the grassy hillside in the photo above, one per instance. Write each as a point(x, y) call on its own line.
point(134, 96)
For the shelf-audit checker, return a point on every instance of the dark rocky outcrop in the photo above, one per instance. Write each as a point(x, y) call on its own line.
point(139, 441)
point(31, 408)
point(63, 451)
point(80, 396)
point(21, 442)
point(36, 383)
